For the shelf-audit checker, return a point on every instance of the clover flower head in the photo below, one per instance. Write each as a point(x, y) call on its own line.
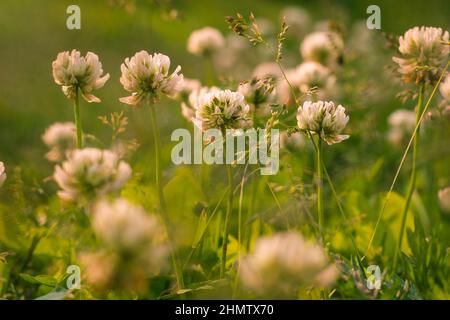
point(222, 109)
point(73, 71)
point(444, 88)
point(187, 86)
point(195, 98)
point(60, 138)
point(260, 93)
point(401, 123)
point(133, 246)
point(205, 41)
point(124, 226)
point(283, 263)
point(2, 173)
point(323, 118)
point(89, 173)
point(297, 18)
point(267, 70)
point(324, 47)
point(444, 199)
point(312, 75)
point(147, 77)
point(423, 51)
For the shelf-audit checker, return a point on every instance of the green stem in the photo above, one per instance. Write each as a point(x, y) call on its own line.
point(227, 221)
point(412, 178)
point(162, 202)
point(319, 184)
point(76, 111)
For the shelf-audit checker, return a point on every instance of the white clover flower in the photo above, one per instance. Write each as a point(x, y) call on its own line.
point(324, 47)
point(283, 89)
point(323, 118)
point(423, 53)
point(147, 77)
point(293, 141)
point(205, 41)
point(73, 71)
point(134, 246)
point(60, 138)
point(259, 93)
point(266, 70)
point(126, 227)
point(297, 18)
point(444, 199)
point(283, 263)
point(2, 173)
point(401, 123)
point(313, 75)
point(90, 172)
point(195, 98)
point(222, 110)
point(444, 88)
point(187, 86)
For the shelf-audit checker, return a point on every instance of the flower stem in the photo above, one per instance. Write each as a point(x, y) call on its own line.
point(162, 202)
point(319, 184)
point(227, 220)
point(76, 111)
point(412, 178)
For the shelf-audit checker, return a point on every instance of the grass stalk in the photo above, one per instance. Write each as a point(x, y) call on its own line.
point(413, 176)
point(162, 202)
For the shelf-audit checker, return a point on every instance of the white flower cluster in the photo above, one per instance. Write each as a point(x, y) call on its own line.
point(259, 93)
point(222, 109)
point(88, 173)
point(298, 20)
point(2, 173)
point(423, 53)
point(444, 88)
point(401, 123)
point(147, 77)
point(444, 199)
point(323, 118)
point(73, 71)
point(189, 107)
point(60, 138)
point(123, 226)
point(283, 263)
point(205, 41)
point(324, 47)
point(134, 246)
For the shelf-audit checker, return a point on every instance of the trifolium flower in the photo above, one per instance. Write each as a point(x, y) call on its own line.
point(60, 138)
point(267, 70)
point(422, 54)
point(444, 88)
point(298, 20)
point(205, 41)
point(88, 173)
point(124, 226)
point(2, 173)
point(283, 263)
point(73, 71)
point(401, 124)
point(147, 77)
point(314, 76)
point(259, 93)
point(222, 110)
point(134, 246)
point(195, 99)
point(444, 199)
point(323, 118)
point(324, 47)
point(186, 87)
